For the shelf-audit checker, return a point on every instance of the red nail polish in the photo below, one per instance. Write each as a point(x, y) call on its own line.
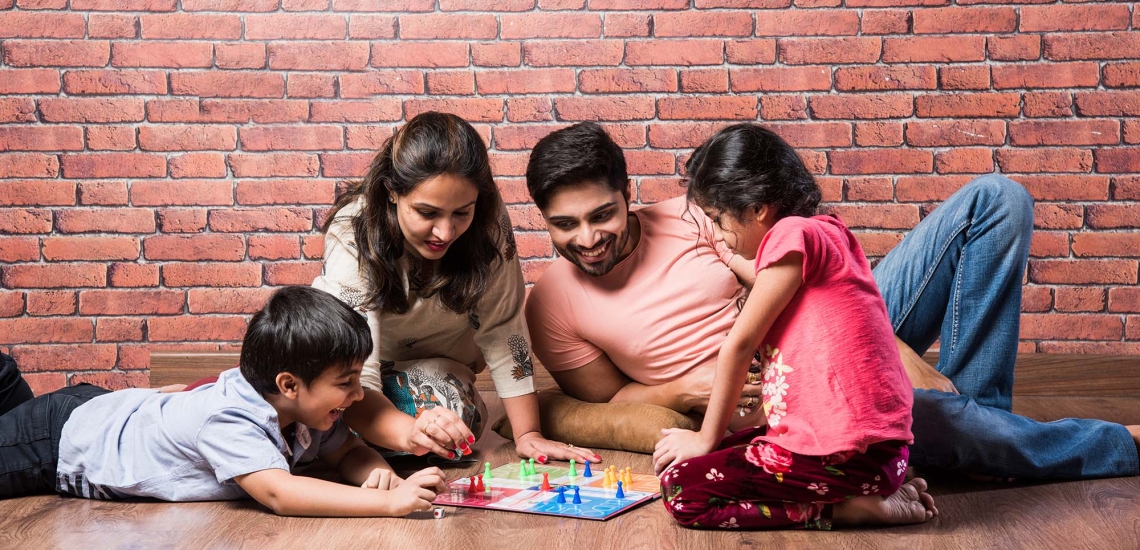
point(450, 454)
point(599, 457)
point(470, 439)
point(542, 460)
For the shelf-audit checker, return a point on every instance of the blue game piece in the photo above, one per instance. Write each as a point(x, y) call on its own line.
point(620, 493)
point(577, 497)
point(562, 495)
point(587, 472)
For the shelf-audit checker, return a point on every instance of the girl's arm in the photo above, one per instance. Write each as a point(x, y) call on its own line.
point(777, 284)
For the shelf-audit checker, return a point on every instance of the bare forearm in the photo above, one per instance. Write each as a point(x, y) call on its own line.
point(379, 422)
point(663, 395)
point(731, 371)
point(359, 463)
point(304, 496)
point(523, 413)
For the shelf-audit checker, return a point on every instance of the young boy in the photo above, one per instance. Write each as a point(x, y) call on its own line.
point(242, 436)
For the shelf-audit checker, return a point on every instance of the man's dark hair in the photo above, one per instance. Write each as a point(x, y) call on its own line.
point(303, 331)
point(582, 153)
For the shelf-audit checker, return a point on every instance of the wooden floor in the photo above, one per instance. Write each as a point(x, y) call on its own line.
point(1087, 514)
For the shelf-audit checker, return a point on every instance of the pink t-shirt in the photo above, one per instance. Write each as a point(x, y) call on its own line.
point(662, 311)
point(833, 379)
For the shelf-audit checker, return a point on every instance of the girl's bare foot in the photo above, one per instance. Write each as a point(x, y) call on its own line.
point(910, 504)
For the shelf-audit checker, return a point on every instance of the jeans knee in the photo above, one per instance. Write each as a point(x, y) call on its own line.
point(1007, 199)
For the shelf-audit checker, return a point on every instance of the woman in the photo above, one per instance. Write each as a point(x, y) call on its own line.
point(423, 248)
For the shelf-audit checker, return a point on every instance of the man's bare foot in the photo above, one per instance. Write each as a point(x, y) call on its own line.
point(910, 504)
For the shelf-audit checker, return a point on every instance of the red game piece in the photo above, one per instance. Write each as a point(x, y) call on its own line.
point(471, 489)
point(479, 485)
point(545, 481)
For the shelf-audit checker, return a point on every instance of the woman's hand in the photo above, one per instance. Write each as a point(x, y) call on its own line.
point(533, 445)
point(677, 446)
point(440, 431)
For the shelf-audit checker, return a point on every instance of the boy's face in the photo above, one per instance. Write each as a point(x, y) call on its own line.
point(322, 402)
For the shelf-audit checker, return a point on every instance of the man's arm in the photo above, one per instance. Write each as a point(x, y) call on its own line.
point(600, 381)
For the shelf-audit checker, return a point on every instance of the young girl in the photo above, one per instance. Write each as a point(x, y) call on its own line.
point(836, 399)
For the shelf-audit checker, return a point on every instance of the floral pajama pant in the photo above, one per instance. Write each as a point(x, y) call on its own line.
point(751, 484)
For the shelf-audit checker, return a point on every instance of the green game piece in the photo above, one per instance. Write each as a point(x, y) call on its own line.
point(522, 468)
point(533, 472)
point(573, 469)
point(487, 470)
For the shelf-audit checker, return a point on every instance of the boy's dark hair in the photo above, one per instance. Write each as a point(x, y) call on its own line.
point(582, 153)
point(746, 165)
point(303, 331)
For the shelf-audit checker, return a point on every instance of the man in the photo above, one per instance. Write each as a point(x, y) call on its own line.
point(639, 302)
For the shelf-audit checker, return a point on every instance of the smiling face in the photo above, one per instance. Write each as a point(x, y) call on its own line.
point(589, 226)
point(435, 213)
point(319, 404)
point(742, 236)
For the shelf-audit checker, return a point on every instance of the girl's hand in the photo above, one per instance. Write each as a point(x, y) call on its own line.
point(381, 479)
point(440, 431)
point(677, 446)
point(533, 445)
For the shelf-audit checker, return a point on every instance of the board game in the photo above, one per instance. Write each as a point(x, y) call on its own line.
point(509, 488)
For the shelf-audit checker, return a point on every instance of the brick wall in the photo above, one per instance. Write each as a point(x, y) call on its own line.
point(163, 163)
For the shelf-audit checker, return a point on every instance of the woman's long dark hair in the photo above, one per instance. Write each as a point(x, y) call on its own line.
point(745, 166)
point(429, 145)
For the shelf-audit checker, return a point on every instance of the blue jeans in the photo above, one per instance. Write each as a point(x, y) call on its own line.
point(957, 277)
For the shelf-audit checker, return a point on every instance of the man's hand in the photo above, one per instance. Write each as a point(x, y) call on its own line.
point(695, 387)
point(922, 375)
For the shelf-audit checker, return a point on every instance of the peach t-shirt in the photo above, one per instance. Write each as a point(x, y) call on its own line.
point(662, 311)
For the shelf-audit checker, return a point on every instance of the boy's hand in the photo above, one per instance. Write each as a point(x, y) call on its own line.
point(382, 479)
point(417, 492)
point(678, 446)
point(440, 431)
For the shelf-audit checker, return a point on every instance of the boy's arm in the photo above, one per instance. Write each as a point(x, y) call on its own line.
point(355, 461)
point(290, 495)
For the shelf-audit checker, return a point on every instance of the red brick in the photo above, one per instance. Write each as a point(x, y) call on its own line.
point(903, 161)
point(1091, 46)
point(56, 53)
point(862, 106)
point(195, 248)
point(27, 24)
point(371, 26)
point(181, 220)
point(968, 105)
point(313, 246)
point(152, 53)
point(133, 275)
point(886, 22)
point(66, 357)
point(934, 49)
point(228, 300)
point(108, 220)
point(1083, 271)
point(103, 193)
point(638, 5)
point(674, 52)
point(17, 109)
point(557, 53)
point(1080, 299)
point(807, 23)
point(198, 165)
point(450, 26)
point(306, 138)
point(318, 56)
point(119, 329)
point(644, 163)
point(91, 110)
point(383, 5)
point(542, 25)
point(652, 190)
point(111, 138)
point(131, 302)
point(807, 51)
point(1045, 160)
point(780, 79)
point(1065, 132)
point(942, 133)
point(1113, 216)
point(292, 273)
point(1124, 300)
point(240, 56)
point(1058, 216)
point(19, 249)
point(261, 219)
point(970, 77)
point(381, 82)
point(704, 80)
point(192, 26)
point(928, 188)
point(869, 189)
point(451, 82)
point(1106, 244)
point(376, 110)
point(1048, 104)
point(25, 220)
point(36, 192)
point(1113, 103)
point(273, 164)
point(1049, 244)
point(211, 274)
point(51, 302)
point(496, 54)
point(687, 24)
point(604, 108)
point(273, 191)
point(183, 192)
point(212, 328)
point(1105, 17)
point(878, 243)
point(345, 165)
point(469, 109)
point(627, 25)
point(227, 110)
point(55, 276)
point(224, 84)
point(62, 249)
point(113, 381)
point(1071, 327)
point(1119, 75)
point(11, 304)
point(29, 81)
point(877, 216)
point(706, 107)
point(1020, 47)
point(112, 26)
point(367, 137)
point(185, 137)
point(274, 247)
point(124, 5)
point(964, 20)
point(1125, 160)
point(682, 135)
point(964, 161)
point(1126, 188)
point(1051, 75)
point(627, 80)
point(231, 5)
point(906, 77)
point(113, 165)
point(533, 81)
point(813, 134)
point(311, 85)
point(783, 107)
point(419, 54)
point(878, 134)
point(1066, 188)
point(309, 26)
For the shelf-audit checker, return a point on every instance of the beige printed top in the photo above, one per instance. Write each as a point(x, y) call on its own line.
point(494, 334)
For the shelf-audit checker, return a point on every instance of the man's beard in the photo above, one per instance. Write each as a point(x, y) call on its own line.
point(617, 245)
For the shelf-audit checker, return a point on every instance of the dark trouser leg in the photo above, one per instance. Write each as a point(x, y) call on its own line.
point(13, 389)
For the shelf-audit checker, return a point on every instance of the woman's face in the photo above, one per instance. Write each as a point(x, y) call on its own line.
point(434, 214)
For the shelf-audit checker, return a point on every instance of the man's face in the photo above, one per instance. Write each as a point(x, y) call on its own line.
point(589, 225)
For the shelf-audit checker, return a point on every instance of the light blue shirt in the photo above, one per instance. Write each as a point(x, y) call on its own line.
point(183, 446)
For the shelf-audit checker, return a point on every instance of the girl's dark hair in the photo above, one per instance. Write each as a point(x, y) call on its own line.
point(303, 331)
point(745, 166)
point(429, 145)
